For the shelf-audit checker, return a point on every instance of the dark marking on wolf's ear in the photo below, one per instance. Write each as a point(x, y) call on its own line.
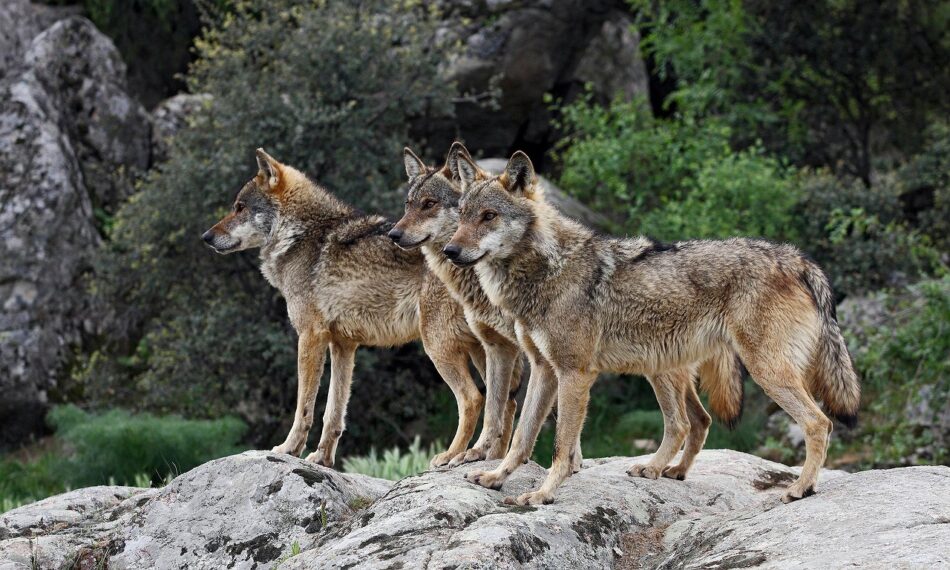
point(414, 164)
point(519, 174)
point(269, 167)
point(451, 169)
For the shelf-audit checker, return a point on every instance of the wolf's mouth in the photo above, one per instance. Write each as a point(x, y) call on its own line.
point(463, 264)
point(414, 245)
point(225, 250)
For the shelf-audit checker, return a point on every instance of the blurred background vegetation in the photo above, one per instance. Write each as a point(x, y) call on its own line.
point(824, 124)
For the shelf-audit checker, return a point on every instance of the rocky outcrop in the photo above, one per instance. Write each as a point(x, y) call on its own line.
point(20, 22)
point(525, 49)
point(562, 201)
point(69, 138)
point(258, 510)
point(171, 116)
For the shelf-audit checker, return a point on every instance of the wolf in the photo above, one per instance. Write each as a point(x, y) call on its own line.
point(431, 217)
point(587, 303)
point(346, 285)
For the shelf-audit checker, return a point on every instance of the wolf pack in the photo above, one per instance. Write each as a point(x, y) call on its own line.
point(491, 277)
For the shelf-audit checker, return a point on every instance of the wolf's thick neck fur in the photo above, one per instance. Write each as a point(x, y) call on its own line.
point(306, 213)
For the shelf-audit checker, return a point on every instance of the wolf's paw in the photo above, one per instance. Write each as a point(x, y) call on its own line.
point(442, 459)
point(532, 498)
point(488, 479)
point(677, 472)
point(577, 464)
point(289, 448)
point(644, 470)
point(798, 490)
point(321, 458)
point(474, 454)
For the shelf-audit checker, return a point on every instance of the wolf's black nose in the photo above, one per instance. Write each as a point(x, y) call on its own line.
point(395, 234)
point(208, 237)
point(452, 251)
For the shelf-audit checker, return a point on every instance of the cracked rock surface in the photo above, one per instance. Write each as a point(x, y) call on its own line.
point(249, 510)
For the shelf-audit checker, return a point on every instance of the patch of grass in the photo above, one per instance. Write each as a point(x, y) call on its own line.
point(393, 464)
point(113, 448)
point(119, 446)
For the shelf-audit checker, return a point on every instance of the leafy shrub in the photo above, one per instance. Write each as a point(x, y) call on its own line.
point(119, 446)
point(671, 179)
point(394, 464)
point(904, 360)
point(329, 87)
point(858, 235)
point(929, 172)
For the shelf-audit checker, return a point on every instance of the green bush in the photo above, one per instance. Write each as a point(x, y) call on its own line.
point(904, 360)
point(672, 179)
point(329, 87)
point(858, 234)
point(394, 464)
point(118, 446)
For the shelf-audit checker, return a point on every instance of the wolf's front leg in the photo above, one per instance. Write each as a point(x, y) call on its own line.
point(542, 389)
point(311, 354)
point(573, 393)
point(500, 363)
point(453, 367)
point(342, 357)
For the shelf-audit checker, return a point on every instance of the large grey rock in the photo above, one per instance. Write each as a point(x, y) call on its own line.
point(68, 136)
point(897, 518)
point(170, 116)
point(568, 205)
point(525, 49)
point(20, 22)
point(248, 510)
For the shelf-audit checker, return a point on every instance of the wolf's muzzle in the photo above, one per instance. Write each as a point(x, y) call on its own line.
point(452, 251)
point(395, 234)
point(208, 237)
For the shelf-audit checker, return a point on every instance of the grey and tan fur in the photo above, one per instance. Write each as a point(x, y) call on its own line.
point(586, 303)
point(431, 218)
point(346, 285)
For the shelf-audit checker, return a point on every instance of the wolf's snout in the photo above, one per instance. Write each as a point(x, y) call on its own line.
point(208, 237)
point(452, 251)
point(395, 234)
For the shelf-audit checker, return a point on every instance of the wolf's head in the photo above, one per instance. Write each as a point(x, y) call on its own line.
point(254, 210)
point(495, 213)
point(432, 203)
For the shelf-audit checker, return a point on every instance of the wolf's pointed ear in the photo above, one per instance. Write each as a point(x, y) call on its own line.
point(414, 164)
point(451, 168)
point(519, 177)
point(468, 171)
point(269, 168)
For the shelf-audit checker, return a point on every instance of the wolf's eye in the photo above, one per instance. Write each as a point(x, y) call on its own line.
point(489, 216)
point(428, 204)
point(239, 207)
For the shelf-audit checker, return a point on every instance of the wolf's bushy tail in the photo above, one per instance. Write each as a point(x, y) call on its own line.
point(833, 378)
point(720, 378)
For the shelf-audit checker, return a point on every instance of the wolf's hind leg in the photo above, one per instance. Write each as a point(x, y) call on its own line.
point(511, 408)
point(311, 355)
point(342, 356)
point(799, 404)
point(671, 395)
point(699, 422)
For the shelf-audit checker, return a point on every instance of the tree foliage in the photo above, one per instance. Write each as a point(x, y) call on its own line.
point(329, 87)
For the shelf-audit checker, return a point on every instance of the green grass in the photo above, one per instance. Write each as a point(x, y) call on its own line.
point(114, 448)
point(393, 464)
